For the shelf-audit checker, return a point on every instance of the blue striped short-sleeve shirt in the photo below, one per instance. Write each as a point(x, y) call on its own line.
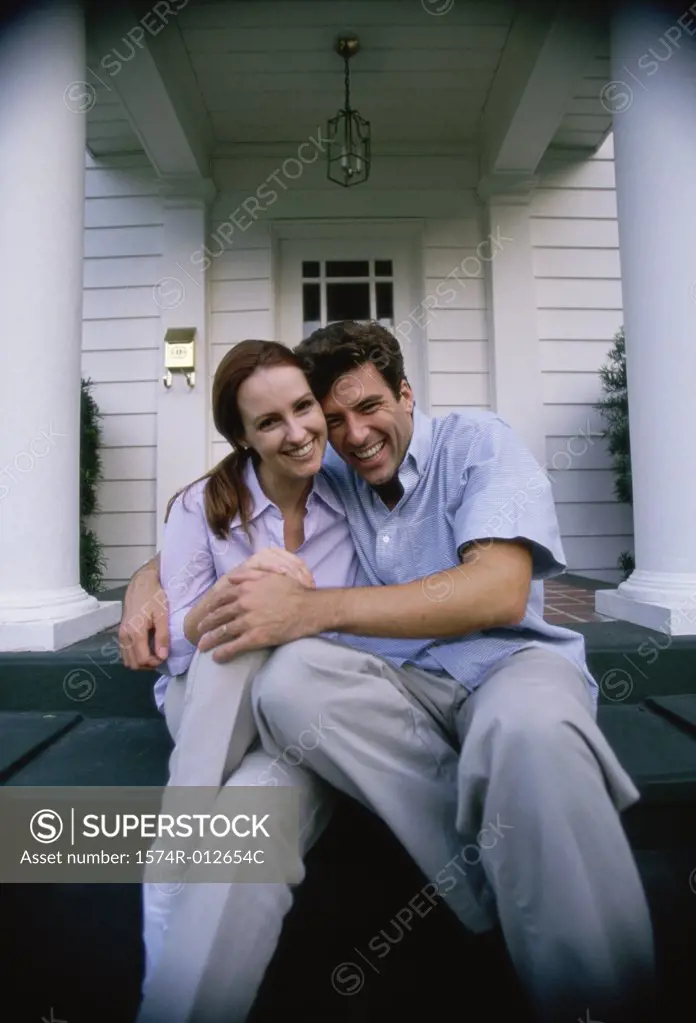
point(465, 477)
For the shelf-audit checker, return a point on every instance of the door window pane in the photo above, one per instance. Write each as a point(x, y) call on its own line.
point(385, 301)
point(347, 302)
point(347, 268)
point(383, 268)
point(311, 308)
point(310, 268)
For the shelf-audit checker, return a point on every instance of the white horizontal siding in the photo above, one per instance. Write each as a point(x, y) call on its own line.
point(122, 562)
point(128, 530)
point(240, 296)
point(583, 485)
point(573, 356)
point(120, 271)
point(108, 127)
point(130, 431)
point(121, 334)
point(228, 328)
point(131, 242)
point(586, 120)
point(240, 293)
point(141, 365)
point(589, 555)
point(120, 350)
point(129, 463)
point(458, 357)
point(456, 322)
point(577, 264)
point(134, 399)
point(579, 308)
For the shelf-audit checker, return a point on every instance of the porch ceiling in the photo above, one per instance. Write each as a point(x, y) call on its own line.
point(267, 73)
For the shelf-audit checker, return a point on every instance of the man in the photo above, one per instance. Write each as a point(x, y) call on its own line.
point(451, 707)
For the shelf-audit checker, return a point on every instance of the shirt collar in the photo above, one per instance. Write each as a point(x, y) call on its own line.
point(321, 488)
point(259, 501)
point(419, 449)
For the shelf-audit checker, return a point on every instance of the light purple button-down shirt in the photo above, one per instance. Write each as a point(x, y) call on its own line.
point(193, 558)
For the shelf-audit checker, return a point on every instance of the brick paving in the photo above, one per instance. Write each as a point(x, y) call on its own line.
point(566, 604)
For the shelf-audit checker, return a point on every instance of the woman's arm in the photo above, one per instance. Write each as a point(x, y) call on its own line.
point(187, 571)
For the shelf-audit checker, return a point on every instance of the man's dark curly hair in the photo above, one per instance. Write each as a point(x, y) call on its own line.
point(332, 351)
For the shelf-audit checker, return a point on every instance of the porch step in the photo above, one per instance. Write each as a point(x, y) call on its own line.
point(68, 749)
point(88, 751)
point(24, 736)
point(630, 664)
point(87, 677)
point(679, 709)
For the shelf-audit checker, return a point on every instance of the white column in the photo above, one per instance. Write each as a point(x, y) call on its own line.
point(42, 160)
point(183, 412)
point(653, 54)
point(513, 340)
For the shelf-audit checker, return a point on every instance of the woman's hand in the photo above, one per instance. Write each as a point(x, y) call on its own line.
point(277, 559)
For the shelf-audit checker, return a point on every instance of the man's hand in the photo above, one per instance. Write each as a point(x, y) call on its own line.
point(145, 611)
point(261, 609)
point(269, 561)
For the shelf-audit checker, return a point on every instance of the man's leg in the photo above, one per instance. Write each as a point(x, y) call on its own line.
point(221, 937)
point(375, 742)
point(569, 897)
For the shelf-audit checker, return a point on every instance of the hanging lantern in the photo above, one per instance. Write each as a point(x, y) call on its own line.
point(348, 132)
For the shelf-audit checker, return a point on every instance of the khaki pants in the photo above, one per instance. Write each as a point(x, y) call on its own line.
point(508, 799)
point(207, 945)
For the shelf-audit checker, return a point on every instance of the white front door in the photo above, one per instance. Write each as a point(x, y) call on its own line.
point(327, 279)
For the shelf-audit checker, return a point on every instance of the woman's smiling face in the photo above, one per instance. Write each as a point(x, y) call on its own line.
point(283, 421)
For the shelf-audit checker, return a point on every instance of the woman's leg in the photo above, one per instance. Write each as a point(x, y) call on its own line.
point(222, 936)
point(174, 697)
point(156, 897)
point(209, 715)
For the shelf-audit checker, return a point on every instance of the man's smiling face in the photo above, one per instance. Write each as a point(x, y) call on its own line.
point(368, 426)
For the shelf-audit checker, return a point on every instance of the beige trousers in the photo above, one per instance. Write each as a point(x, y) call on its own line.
point(207, 945)
point(508, 799)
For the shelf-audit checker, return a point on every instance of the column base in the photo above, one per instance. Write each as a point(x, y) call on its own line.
point(54, 634)
point(677, 620)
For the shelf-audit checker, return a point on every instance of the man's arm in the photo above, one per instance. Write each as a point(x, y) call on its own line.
point(145, 612)
point(489, 589)
point(268, 559)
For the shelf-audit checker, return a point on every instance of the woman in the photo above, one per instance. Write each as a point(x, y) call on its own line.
point(265, 494)
point(266, 506)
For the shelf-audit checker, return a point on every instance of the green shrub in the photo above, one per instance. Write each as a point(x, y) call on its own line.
point(613, 407)
point(92, 560)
